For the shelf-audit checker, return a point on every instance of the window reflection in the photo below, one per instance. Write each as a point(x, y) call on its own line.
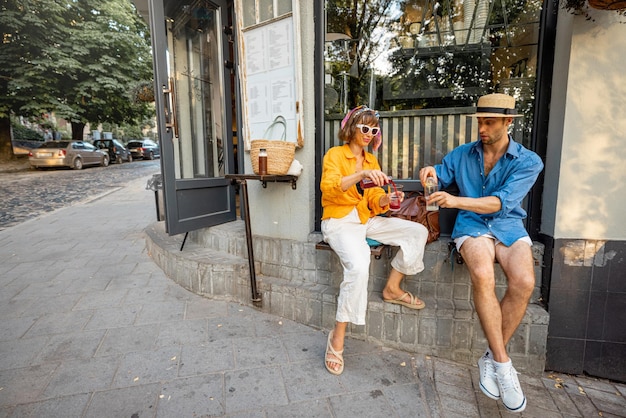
point(194, 55)
point(424, 63)
point(259, 11)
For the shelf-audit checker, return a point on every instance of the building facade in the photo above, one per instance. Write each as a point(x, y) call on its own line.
point(226, 69)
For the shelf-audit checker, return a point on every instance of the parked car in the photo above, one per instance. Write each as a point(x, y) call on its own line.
point(117, 152)
point(74, 154)
point(145, 149)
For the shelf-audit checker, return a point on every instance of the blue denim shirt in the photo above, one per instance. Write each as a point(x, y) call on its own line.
point(510, 180)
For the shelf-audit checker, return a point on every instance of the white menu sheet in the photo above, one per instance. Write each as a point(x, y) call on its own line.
point(270, 79)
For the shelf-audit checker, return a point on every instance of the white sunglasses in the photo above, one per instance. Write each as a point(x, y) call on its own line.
point(365, 129)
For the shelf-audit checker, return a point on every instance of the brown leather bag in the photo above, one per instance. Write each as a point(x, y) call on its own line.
point(413, 208)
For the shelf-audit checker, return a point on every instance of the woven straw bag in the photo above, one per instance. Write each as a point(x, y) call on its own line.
point(280, 153)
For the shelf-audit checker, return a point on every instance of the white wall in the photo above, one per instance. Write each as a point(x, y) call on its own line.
point(585, 187)
point(287, 213)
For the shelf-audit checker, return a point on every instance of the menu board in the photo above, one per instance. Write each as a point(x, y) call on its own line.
point(269, 81)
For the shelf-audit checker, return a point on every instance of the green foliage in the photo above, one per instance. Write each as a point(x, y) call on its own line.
point(21, 132)
point(123, 132)
point(76, 58)
point(108, 127)
point(131, 132)
point(26, 56)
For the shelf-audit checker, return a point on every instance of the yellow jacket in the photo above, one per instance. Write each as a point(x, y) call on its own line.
point(340, 162)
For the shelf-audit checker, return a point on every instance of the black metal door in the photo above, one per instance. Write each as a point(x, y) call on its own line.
point(194, 111)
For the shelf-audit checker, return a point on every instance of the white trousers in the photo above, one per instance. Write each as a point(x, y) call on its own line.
point(346, 236)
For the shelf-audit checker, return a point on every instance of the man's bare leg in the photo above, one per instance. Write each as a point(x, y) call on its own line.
point(479, 255)
point(518, 266)
point(499, 324)
point(498, 377)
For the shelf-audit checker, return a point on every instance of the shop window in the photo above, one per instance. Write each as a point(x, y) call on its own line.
point(270, 71)
point(423, 64)
point(259, 11)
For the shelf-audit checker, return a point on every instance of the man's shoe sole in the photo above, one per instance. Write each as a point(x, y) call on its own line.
point(483, 388)
point(489, 394)
point(518, 409)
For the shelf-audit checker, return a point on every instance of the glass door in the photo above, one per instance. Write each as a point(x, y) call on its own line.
point(193, 55)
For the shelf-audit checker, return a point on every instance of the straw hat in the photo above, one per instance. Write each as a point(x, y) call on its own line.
point(496, 105)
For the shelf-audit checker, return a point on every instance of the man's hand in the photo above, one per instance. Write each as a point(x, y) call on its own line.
point(443, 199)
point(427, 172)
point(482, 205)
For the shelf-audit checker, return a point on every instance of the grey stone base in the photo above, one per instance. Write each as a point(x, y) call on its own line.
point(301, 283)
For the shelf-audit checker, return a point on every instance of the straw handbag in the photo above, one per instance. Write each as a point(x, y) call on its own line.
point(280, 153)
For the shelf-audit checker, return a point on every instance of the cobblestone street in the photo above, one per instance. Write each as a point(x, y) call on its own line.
point(26, 194)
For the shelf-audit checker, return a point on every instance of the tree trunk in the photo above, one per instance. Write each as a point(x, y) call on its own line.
point(6, 136)
point(77, 130)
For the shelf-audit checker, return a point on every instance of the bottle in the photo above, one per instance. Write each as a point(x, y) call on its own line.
point(367, 183)
point(262, 162)
point(431, 187)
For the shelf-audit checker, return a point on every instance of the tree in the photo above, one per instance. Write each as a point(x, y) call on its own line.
point(78, 58)
point(112, 50)
point(27, 54)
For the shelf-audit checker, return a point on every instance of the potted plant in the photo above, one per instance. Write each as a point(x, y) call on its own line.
point(581, 7)
point(619, 5)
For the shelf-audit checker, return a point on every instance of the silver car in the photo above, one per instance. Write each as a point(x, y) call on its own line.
point(74, 154)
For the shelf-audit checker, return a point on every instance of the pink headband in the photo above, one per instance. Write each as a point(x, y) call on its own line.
point(378, 139)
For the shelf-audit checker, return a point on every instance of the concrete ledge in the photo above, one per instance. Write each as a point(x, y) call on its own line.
point(301, 283)
point(201, 270)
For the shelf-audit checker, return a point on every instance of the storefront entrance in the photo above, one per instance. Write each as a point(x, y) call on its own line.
point(193, 51)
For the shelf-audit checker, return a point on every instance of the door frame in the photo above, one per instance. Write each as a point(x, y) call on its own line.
point(195, 203)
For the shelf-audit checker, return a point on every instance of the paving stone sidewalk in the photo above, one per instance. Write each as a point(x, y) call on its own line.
point(11, 166)
point(28, 193)
point(91, 327)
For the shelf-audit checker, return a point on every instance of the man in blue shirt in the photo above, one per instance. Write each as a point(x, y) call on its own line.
point(493, 175)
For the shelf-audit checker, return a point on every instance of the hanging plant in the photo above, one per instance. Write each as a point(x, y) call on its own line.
point(143, 92)
point(608, 4)
point(581, 7)
point(146, 94)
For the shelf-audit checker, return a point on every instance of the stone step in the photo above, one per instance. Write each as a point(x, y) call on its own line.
point(445, 328)
point(201, 270)
point(300, 283)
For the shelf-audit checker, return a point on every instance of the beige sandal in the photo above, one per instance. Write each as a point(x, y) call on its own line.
point(337, 354)
point(414, 303)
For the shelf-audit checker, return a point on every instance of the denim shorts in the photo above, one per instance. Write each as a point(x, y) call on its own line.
point(460, 240)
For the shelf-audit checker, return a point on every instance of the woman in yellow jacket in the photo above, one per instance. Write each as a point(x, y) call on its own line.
point(349, 217)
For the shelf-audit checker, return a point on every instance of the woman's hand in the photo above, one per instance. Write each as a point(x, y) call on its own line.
point(392, 192)
point(386, 198)
point(378, 177)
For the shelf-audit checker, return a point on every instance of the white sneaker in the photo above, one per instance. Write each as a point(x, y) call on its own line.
point(488, 381)
point(510, 390)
